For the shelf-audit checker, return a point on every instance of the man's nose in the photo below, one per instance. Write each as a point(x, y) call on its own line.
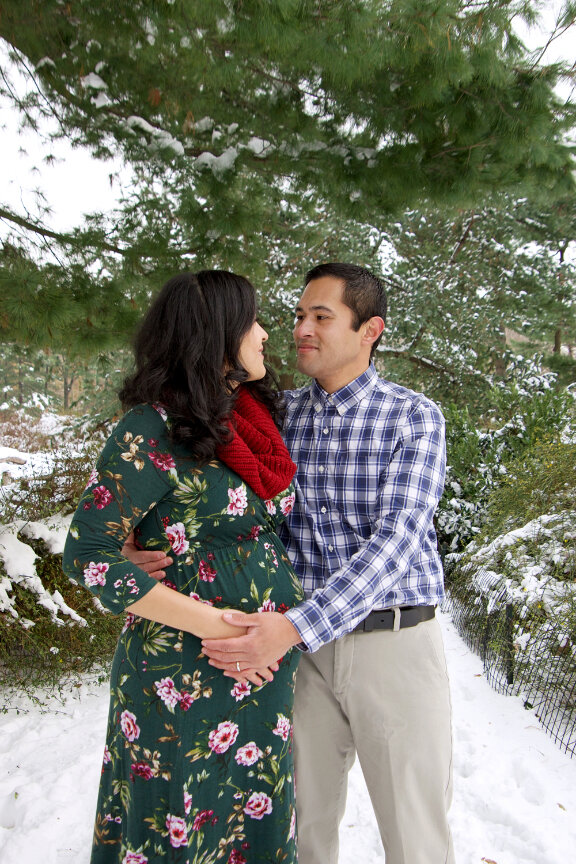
point(303, 328)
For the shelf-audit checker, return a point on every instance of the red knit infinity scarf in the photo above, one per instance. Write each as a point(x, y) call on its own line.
point(257, 452)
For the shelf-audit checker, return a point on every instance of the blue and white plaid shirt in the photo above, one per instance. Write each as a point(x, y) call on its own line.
point(371, 463)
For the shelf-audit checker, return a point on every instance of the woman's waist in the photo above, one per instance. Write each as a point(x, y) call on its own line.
point(187, 543)
point(213, 584)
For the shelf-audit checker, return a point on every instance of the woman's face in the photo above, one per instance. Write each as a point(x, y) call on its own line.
point(251, 354)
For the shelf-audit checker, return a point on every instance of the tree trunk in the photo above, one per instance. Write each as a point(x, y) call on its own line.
point(20, 382)
point(67, 383)
point(498, 354)
point(286, 380)
point(558, 340)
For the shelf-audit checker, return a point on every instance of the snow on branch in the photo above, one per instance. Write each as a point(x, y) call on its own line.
point(19, 561)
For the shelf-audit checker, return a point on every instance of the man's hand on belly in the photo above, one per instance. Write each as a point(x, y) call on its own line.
point(270, 635)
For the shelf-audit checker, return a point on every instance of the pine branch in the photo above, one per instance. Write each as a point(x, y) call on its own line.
point(454, 376)
point(417, 338)
point(462, 240)
point(560, 29)
point(64, 239)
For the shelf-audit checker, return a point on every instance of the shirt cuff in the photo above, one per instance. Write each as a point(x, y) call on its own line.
point(313, 626)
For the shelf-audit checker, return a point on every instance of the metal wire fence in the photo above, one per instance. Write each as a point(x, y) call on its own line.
point(539, 665)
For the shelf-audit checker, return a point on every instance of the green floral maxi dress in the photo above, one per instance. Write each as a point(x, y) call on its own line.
point(197, 768)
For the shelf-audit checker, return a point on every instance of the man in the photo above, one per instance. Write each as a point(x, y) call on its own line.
point(372, 678)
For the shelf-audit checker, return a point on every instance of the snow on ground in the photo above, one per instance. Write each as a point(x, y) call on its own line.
point(19, 464)
point(514, 797)
point(514, 789)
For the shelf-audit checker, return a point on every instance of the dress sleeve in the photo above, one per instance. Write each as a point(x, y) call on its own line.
point(134, 472)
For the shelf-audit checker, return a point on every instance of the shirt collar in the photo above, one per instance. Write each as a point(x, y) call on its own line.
point(347, 397)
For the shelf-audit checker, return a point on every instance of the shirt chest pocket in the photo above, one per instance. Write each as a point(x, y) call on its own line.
point(356, 469)
point(354, 487)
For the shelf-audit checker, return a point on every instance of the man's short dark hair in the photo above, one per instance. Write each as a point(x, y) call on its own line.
point(363, 292)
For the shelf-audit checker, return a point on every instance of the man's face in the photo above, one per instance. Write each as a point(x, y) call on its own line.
point(328, 349)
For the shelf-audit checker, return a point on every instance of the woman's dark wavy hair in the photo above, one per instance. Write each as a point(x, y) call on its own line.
point(186, 356)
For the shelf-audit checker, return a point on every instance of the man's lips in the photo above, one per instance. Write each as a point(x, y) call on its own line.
point(305, 348)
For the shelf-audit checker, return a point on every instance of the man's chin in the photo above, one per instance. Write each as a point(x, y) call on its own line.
point(304, 365)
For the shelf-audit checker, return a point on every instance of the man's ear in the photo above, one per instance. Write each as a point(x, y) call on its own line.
point(373, 328)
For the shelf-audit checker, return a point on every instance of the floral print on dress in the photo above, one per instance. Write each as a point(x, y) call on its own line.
point(95, 574)
point(177, 832)
point(206, 572)
point(197, 767)
point(223, 737)
point(102, 497)
point(240, 690)
point(283, 727)
point(134, 858)
point(163, 461)
point(176, 534)
point(258, 805)
point(238, 501)
point(129, 726)
point(92, 479)
point(248, 754)
point(287, 504)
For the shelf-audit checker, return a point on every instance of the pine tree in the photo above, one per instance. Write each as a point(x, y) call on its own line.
point(468, 288)
point(262, 134)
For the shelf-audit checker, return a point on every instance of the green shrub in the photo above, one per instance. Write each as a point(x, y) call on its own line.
point(41, 648)
point(564, 366)
point(47, 654)
point(512, 591)
point(38, 497)
point(540, 480)
point(527, 412)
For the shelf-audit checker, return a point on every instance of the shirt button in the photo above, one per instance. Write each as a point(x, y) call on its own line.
point(321, 469)
point(325, 431)
point(323, 509)
point(330, 548)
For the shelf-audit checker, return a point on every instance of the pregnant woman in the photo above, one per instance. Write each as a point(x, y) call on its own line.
point(197, 767)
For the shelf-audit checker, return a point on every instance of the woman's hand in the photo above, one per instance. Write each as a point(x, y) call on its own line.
point(254, 676)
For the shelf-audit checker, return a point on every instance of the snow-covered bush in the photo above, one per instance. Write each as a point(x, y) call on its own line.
point(526, 410)
point(50, 628)
point(512, 591)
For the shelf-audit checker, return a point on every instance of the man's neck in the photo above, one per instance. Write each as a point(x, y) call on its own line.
point(332, 385)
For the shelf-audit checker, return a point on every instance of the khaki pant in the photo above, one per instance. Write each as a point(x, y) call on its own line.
point(383, 695)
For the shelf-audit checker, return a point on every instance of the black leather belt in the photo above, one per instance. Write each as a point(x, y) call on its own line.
point(395, 619)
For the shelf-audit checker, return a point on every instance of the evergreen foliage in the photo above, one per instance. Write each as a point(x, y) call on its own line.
point(464, 285)
point(265, 136)
point(526, 412)
point(42, 380)
point(50, 628)
point(49, 654)
point(511, 591)
point(440, 98)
